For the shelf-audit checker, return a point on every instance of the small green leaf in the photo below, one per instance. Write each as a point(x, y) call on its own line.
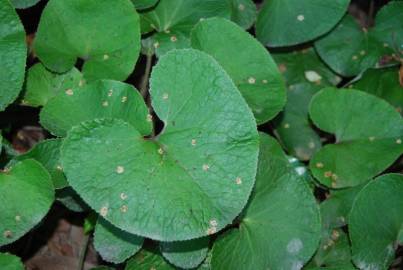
point(10, 262)
point(26, 194)
point(113, 244)
point(24, 3)
point(43, 85)
point(192, 179)
point(280, 228)
point(90, 222)
point(285, 24)
point(13, 54)
point(143, 4)
point(48, 154)
point(253, 71)
point(70, 199)
point(376, 222)
point(383, 83)
point(368, 135)
point(350, 49)
point(96, 100)
point(108, 39)
point(148, 260)
point(243, 12)
point(186, 254)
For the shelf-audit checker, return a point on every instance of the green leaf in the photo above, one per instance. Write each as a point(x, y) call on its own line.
point(90, 222)
point(100, 99)
point(24, 3)
point(280, 228)
point(350, 49)
point(13, 54)
point(186, 254)
point(285, 24)
point(1, 142)
point(113, 244)
point(108, 40)
point(383, 83)
point(43, 85)
point(26, 194)
point(253, 71)
point(71, 200)
point(348, 266)
point(147, 260)
point(10, 262)
point(368, 135)
point(197, 172)
point(376, 222)
point(48, 154)
point(243, 12)
point(143, 4)
point(170, 40)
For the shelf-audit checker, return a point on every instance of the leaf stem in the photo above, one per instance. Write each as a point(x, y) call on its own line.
point(83, 253)
point(144, 80)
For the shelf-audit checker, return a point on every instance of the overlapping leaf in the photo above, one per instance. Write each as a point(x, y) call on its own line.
point(10, 262)
point(13, 54)
point(143, 4)
point(107, 39)
point(192, 179)
point(146, 260)
point(24, 3)
point(368, 135)
point(253, 71)
point(243, 12)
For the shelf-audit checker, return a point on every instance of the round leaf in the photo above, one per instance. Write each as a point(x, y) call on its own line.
point(280, 228)
point(243, 12)
point(43, 85)
point(107, 39)
point(253, 71)
point(48, 154)
point(26, 194)
point(368, 135)
point(192, 179)
point(10, 262)
point(113, 244)
point(186, 254)
point(376, 222)
point(100, 99)
point(13, 54)
point(146, 260)
point(294, 22)
point(24, 3)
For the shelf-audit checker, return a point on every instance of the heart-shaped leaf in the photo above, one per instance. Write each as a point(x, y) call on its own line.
point(13, 54)
point(100, 99)
point(26, 194)
point(143, 4)
point(350, 49)
point(113, 244)
point(24, 3)
point(186, 254)
point(48, 154)
point(243, 12)
point(71, 29)
point(146, 260)
point(10, 262)
point(285, 24)
point(253, 71)
point(383, 83)
point(43, 85)
point(376, 222)
point(368, 135)
point(280, 228)
point(192, 179)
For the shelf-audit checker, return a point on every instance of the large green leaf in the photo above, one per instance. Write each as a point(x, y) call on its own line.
point(288, 23)
point(107, 39)
point(253, 71)
point(368, 134)
point(280, 228)
point(113, 244)
point(193, 178)
point(243, 12)
point(26, 194)
point(10, 262)
point(186, 254)
point(174, 19)
point(100, 99)
point(350, 49)
point(24, 3)
point(48, 154)
point(13, 53)
point(43, 85)
point(383, 83)
point(376, 222)
point(148, 260)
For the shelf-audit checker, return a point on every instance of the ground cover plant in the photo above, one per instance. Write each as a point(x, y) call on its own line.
point(201, 134)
